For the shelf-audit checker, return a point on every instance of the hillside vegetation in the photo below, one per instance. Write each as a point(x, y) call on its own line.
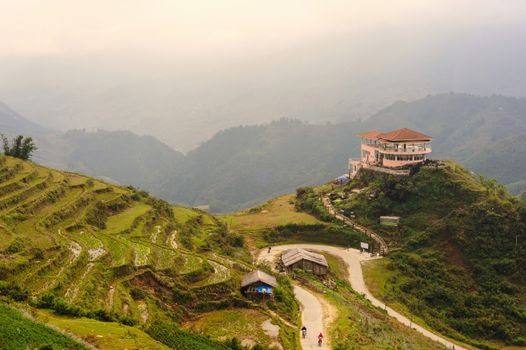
point(461, 265)
point(243, 166)
point(356, 324)
point(19, 332)
point(88, 250)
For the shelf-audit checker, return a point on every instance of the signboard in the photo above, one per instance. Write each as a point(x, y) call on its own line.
point(364, 245)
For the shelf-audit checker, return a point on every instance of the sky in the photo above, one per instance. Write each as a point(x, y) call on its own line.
point(190, 29)
point(183, 70)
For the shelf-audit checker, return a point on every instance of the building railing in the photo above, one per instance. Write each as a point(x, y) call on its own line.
point(405, 150)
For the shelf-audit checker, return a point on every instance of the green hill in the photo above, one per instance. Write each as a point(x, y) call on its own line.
point(458, 260)
point(100, 257)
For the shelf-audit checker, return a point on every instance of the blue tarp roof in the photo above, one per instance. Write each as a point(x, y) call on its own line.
point(342, 179)
point(264, 289)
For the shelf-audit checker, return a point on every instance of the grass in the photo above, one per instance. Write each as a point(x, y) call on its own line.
point(123, 220)
point(337, 266)
point(182, 214)
point(119, 250)
point(103, 335)
point(448, 269)
point(76, 179)
point(191, 263)
point(142, 254)
point(358, 324)
point(221, 274)
point(242, 324)
point(277, 212)
point(378, 279)
point(376, 275)
point(19, 332)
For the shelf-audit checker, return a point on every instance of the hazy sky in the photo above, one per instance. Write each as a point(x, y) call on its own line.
point(221, 27)
point(182, 70)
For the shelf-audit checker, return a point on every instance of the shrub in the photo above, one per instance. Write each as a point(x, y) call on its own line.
point(309, 201)
point(15, 247)
point(13, 291)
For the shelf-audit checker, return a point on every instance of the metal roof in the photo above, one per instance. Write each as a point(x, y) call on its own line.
point(292, 256)
point(259, 276)
point(390, 217)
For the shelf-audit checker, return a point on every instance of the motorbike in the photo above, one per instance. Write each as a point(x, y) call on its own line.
point(303, 333)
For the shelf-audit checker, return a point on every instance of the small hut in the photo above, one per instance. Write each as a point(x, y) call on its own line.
point(258, 283)
point(389, 220)
point(305, 260)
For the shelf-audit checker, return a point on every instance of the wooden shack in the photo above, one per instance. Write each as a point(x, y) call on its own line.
point(258, 284)
point(302, 259)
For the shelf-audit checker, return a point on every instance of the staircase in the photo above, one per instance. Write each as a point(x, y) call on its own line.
point(379, 241)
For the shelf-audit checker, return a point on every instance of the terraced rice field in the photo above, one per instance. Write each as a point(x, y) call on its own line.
point(94, 244)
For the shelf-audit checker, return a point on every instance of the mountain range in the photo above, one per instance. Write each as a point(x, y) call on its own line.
point(241, 166)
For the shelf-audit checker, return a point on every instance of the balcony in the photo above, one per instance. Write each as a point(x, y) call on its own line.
point(407, 150)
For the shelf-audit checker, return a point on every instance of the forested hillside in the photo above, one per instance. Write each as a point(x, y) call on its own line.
point(458, 256)
point(242, 166)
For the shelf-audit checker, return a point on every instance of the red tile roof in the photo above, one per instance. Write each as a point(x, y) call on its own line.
point(370, 135)
point(404, 134)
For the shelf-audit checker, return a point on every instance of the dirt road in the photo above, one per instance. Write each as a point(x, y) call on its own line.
point(312, 316)
point(353, 259)
point(315, 315)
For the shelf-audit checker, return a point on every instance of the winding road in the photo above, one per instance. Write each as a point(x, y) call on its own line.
point(311, 317)
point(314, 316)
point(353, 258)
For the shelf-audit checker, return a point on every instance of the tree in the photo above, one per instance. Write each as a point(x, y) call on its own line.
point(20, 147)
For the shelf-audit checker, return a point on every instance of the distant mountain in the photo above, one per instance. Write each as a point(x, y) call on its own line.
point(336, 78)
point(246, 165)
point(123, 156)
point(242, 166)
point(486, 134)
point(117, 156)
point(11, 123)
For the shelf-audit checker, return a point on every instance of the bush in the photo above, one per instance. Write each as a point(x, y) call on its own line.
point(13, 291)
point(309, 201)
point(320, 233)
point(15, 247)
